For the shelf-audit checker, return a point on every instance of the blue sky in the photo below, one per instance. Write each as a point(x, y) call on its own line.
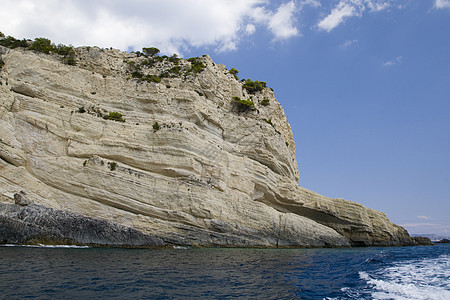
point(365, 84)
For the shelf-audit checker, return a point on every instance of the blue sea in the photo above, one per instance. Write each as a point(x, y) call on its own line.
point(108, 273)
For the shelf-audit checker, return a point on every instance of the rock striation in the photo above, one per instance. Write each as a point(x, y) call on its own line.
point(159, 151)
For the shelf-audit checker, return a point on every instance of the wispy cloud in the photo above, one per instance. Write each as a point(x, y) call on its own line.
point(350, 8)
point(442, 4)
point(342, 11)
point(348, 43)
point(424, 217)
point(393, 62)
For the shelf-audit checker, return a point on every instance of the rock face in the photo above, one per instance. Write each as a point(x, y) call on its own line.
point(178, 160)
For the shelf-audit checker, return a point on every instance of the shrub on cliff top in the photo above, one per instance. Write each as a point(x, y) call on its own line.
point(13, 43)
point(234, 72)
point(152, 51)
point(254, 86)
point(43, 45)
point(196, 65)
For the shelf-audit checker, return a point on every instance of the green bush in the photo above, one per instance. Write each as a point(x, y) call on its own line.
point(43, 45)
point(137, 74)
point(156, 126)
point(174, 59)
point(12, 43)
point(70, 61)
point(152, 78)
point(265, 102)
point(244, 105)
point(112, 165)
point(148, 63)
point(115, 116)
point(2, 63)
point(152, 51)
point(196, 66)
point(254, 86)
point(269, 121)
point(2, 35)
point(64, 50)
point(234, 72)
point(81, 110)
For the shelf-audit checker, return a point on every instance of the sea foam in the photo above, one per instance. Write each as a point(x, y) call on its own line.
point(417, 279)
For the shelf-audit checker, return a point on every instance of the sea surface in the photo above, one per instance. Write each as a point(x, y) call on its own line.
point(96, 273)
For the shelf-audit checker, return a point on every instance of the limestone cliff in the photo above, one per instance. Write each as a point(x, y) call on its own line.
point(161, 146)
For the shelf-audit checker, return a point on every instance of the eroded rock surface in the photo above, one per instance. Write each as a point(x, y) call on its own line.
point(182, 162)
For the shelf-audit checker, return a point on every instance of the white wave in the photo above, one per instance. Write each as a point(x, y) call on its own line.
point(44, 246)
point(419, 279)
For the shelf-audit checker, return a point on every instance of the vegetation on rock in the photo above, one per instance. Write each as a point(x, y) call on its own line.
point(115, 116)
point(244, 105)
point(152, 51)
point(112, 165)
point(234, 72)
point(42, 45)
point(265, 102)
point(254, 86)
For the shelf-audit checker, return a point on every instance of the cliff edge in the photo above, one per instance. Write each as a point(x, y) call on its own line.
point(172, 151)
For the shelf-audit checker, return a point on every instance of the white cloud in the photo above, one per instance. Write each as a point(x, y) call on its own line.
point(423, 217)
point(374, 5)
point(344, 10)
point(281, 23)
point(442, 4)
point(350, 8)
point(392, 62)
point(171, 25)
point(250, 29)
point(348, 43)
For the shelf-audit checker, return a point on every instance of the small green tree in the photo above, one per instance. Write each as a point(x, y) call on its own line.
point(196, 66)
point(115, 116)
point(254, 86)
point(244, 105)
point(112, 165)
point(234, 72)
point(12, 43)
point(265, 102)
point(152, 51)
point(156, 126)
point(43, 45)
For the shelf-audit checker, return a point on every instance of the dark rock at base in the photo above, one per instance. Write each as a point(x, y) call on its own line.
point(423, 241)
point(444, 241)
point(33, 224)
point(21, 199)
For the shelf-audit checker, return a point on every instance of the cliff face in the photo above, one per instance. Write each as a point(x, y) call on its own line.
point(179, 161)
